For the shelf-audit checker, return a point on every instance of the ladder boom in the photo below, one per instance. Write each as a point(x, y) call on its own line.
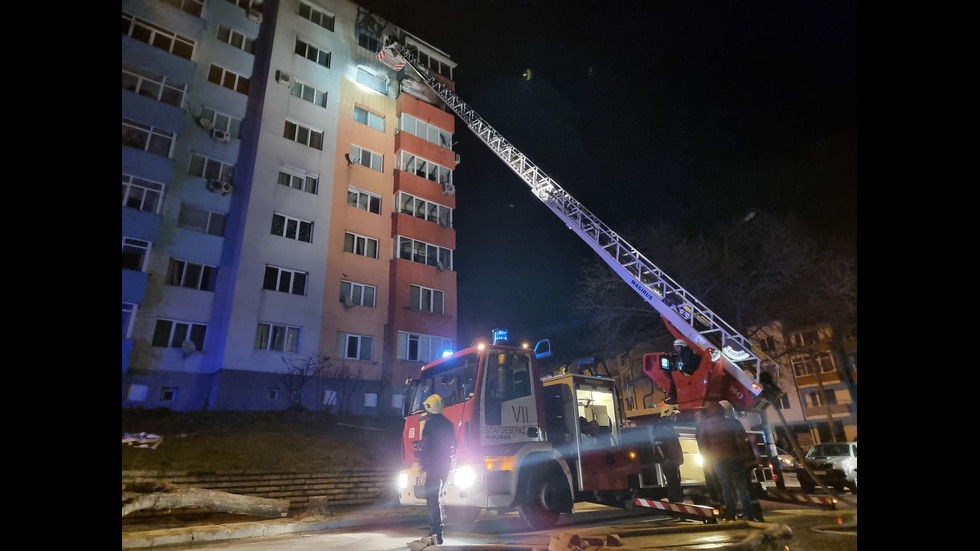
point(678, 307)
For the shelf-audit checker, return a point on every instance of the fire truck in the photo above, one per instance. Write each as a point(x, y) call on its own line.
point(537, 443)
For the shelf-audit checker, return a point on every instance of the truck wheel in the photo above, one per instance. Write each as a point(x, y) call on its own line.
point(542, 504)
point(461, 514)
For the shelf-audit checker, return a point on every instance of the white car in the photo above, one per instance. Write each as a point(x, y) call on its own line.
point(834, 463)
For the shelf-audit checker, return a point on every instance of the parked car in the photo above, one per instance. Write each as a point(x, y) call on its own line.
point(787, 461)
point(834, 464)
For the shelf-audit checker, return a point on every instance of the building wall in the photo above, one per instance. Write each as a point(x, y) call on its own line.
point(228, 371)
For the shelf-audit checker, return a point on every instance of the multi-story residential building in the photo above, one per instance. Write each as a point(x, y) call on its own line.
point(287, 212)
point(817, 391)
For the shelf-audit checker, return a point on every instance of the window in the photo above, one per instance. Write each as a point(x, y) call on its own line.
point(426, 131)
point(128, 316)
point(370, 399)
point(426, 210)
point(141, 194)
point(292, 228)
point(137, 393)
point(783, 402)
point(285, 281)
point(172, 333)
point(425, 169)
point(815, 399)
point(302, 134)
point(229, 79)
point(151, 85)
point(193, 276)
point(368, 42)
point(329, 397)
point(424, 253)
point(767, 343)
point(304, 182)
point(355, 347)
point(425, 299)
point(357, 294)
point(372, 80)
point(236, 39)
point(317, 16)
point(157, 36)
point(420, 348)
point(280, 338)
point(134, 253)
point(367, 158)
point(193, 7)
point(363, 200)
point(369, 118)
point(147, 138)
point(314, 54)
point(803, 339)
point(358, 244)
point(220, 121)
point(308, 93)
point(397, 400)
point(441, 67)
point(168, 394)
point(210, 168)
point(201, 220)
point(272, 394)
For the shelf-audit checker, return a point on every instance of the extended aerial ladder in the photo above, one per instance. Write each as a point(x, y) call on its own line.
point(684, 314)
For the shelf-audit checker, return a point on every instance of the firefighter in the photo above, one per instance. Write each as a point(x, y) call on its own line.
point(687, 363)
point(728, 447)
point(669, 453)
point(438, 449)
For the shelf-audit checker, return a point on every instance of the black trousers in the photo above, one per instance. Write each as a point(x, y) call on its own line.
point(672, 473)
point(434, 483)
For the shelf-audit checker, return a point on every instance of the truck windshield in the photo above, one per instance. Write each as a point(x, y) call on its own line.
point(453, 379)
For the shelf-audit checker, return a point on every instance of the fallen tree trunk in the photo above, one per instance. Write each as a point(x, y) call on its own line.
point(223, 502)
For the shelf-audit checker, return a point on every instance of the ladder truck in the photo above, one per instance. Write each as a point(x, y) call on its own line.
point(521, 444)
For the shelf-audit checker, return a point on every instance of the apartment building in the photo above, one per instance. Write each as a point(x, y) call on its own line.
point(817, 389)
point(287, 213)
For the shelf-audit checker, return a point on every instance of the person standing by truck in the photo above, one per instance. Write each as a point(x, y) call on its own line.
point(728, 446)
point(669, 453)
point(438, 448)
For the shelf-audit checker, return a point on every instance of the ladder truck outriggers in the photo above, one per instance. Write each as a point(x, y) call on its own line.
point(522, 440)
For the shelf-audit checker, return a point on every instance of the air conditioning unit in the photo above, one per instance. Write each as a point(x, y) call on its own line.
point(215, 186)
point(457, 158)
point(449, 189)
point(255, 15)
point(284, 79)
point(222, 136)
point(227, 188)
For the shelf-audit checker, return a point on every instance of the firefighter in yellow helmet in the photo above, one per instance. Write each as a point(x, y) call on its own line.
point(438, 448)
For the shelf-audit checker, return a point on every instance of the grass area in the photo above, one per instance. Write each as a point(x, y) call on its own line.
point(288, 441)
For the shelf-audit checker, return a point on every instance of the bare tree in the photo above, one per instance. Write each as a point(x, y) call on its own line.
point(344, 382)
point(298, 374)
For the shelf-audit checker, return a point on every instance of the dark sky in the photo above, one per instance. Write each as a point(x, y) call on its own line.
point(642, 111)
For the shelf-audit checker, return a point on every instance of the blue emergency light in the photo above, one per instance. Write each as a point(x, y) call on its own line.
point(499, 335)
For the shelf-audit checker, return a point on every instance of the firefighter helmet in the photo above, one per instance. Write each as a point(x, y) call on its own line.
point(680, 342)
point(669, 411)
point(728, 408)
point(433, 404)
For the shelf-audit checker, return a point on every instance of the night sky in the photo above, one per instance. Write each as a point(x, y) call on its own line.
point(642, 111)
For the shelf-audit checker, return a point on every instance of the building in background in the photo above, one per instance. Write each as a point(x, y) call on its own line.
point(818, 403)
point(287, 210)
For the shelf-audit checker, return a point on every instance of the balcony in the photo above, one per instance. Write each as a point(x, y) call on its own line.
point(815, 413)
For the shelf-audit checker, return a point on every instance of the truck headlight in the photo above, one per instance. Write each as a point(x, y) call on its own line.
point(464, 477)
point(402, 481)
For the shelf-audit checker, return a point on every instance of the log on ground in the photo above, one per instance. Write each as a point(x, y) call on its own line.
point(197, 498)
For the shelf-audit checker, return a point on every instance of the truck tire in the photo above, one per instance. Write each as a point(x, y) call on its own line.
point(543, 501)
point(462, 514)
